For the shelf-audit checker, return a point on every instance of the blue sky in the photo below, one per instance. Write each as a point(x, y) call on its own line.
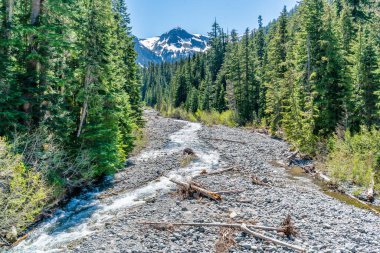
point(154, 17)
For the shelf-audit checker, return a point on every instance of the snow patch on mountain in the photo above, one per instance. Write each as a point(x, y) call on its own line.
point(149, 43)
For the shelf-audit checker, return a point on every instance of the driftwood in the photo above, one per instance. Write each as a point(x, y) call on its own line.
point(226, 240)
point(258, 181)
point(217, 172)
point(230, 192)
point(261, 131)
point(244, 201)
point(291, 157)
point(326, 179)
point(227, 225)
point(323, 177)
point(243, 227)
point(20, 240)
point(270, 239)
point(226, 140)
point(192, 187)
point(369, 207)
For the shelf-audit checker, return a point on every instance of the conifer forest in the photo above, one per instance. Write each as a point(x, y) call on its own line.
point(87, 129)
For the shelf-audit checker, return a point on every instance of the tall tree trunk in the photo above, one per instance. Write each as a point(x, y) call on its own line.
point(84, 110)
point(8, 6)
point(32, 66)
point(35, 11)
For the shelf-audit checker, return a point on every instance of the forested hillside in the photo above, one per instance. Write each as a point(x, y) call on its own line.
point(296, 168)
point(69, 101)
point(309, 76)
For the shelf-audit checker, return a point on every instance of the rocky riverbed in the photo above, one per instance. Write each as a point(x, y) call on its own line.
point(108, 220)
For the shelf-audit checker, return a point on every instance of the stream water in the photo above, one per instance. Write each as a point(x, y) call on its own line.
point(86, 214)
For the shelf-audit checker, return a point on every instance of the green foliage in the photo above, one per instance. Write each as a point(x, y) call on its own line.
point(226, 118)
point(276, 68)
point(305, 74)
point(70, 94)
point(356, 157)
point(23, 193)
point(309, 72)
point(366, 80)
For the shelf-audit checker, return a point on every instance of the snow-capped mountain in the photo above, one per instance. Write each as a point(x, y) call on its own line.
point(170, 46)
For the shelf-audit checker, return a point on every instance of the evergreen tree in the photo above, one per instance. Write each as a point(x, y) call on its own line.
point(258, 58)
point(366, 78)
point(307, 72)
point(275, 70)
point(126, 44)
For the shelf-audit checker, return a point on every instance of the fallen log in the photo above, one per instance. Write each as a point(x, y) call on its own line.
point(323, 177)
point(244, 201)
point(20, 240)
point(243, 227)
point(369, 207)
point(192, 187)
point(270, 239)
point(326, 179)
point(227, 225)
point(226, 140)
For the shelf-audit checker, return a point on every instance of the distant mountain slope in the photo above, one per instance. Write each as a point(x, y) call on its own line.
point(169, 47)
point(145, 55)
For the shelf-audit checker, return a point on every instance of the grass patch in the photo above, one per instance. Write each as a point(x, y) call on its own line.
point(141, 141)
point(356, 158)
point(210, 118)
point(226, 118)
point(23, 193)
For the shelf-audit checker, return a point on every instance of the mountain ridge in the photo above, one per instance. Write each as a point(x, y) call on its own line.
point(171, 46)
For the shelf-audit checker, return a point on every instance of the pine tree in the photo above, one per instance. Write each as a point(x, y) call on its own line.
point(248, 103)
point(275, 70)
point(181, 87)
point(331, 90)
point(10, 100)
point(125, 39)
point(205, 92)
point(231, 67)
point(260, 89)
point(216, 51)
point(366, 78)
point(104, 121)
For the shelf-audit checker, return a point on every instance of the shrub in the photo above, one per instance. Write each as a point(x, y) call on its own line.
point(63, 168)
point(227, 118)
point(23, 193)
point(356, 157)
point(179, 113)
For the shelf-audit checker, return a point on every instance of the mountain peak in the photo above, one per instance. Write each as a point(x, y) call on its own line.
point(171, 46)
point(176, 34)
point(178, 28)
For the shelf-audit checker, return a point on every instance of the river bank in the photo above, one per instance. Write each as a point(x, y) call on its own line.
point(109, 220)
